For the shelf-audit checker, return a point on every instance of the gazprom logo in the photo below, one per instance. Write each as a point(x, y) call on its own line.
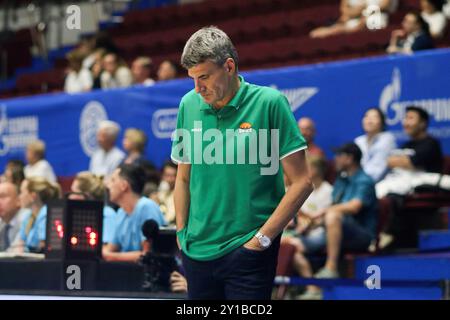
point(164, 122)
point(93, 113)
point(389, 98)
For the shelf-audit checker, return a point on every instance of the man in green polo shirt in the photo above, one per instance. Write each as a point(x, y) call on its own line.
point(229, 195)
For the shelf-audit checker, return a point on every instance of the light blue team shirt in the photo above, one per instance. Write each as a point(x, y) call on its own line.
point(109, 224)
point(375, 155)
point(37, 231)
point(128, 235)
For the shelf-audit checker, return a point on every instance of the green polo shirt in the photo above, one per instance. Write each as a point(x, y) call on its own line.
point(236, 177)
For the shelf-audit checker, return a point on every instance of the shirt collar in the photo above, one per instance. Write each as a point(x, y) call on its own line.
point(235, 101)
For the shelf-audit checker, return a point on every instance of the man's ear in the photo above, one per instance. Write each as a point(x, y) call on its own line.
point(230, 65)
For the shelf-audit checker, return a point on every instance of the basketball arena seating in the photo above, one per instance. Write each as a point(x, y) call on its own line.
point(429, 242)
point(267, 34)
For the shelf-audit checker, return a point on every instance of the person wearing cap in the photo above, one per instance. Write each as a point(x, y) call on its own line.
point(351, 220)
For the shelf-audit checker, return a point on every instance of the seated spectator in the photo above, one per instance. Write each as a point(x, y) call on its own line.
point(77, 79)
point(376, 144)
point(308, 130)
point(353, 17)
point(422, 153)
point(14, 172)
point(11, 215)
point(125, 188)
point(433, 15)
point(97, 68)
point(87, 186)
point(116, 74)
point(141, 69)
point(350, 222)
point(134, 142)
point(414, 35)
point(35, 193)
point(166, 189)
point(167, 71)
point(308, 225)
point(107, 157)
point(37, 165)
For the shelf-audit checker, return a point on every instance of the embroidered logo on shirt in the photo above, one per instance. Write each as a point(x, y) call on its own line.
point(245, 127)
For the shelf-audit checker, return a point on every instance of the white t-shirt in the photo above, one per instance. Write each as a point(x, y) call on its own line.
point(122, 78)
point(320, 198)
point(437, 22)
point(104, 163)
point(40, 169)
point(78, 82)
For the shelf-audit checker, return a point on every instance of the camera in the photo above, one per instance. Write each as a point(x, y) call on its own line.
point(160, 261)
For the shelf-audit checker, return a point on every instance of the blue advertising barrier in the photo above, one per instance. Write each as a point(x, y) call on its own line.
point(335, 95)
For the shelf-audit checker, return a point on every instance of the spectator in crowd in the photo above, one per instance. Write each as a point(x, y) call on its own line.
point(141, 69)
point(87, 186)
point(125, 188)
point(116, 74)
point(134, 142)
point(37, 165)
point(77, 79)
point(91, 44)
point(97, 68)
point(107, 157)
point(151, 192)
point(422, 153)
point(353, 17)
point(433, 15)
point(14, 172)
point(414, 35)
point(350, 221)
point(308, 129)
point(167, 70)
point(308, 225)
point(35, 193)
point(11, 215)
point(376, 144)
point(166, 189)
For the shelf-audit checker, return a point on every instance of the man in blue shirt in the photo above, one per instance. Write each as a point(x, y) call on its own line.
point(125, 187)
point(352, 219)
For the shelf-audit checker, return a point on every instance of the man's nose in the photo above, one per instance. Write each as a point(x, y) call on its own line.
point(198, 86)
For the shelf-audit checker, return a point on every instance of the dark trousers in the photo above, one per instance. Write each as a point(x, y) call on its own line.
point(242, 274)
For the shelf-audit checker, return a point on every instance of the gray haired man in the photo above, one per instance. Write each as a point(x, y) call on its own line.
point(230, 215)
point(107, 157)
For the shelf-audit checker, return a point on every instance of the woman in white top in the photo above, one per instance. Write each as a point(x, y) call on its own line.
point(309, 226)
point(433, 15)
point(78, 79)
point(37, 166)
point(116, 74)
point(376, 144)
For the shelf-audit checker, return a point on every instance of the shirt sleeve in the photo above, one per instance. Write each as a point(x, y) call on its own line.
point(181, 140)
point(364, 192)
point(290, 138)
point(41, 228)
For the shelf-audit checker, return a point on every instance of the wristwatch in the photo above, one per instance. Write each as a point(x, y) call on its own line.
point(264, 240)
